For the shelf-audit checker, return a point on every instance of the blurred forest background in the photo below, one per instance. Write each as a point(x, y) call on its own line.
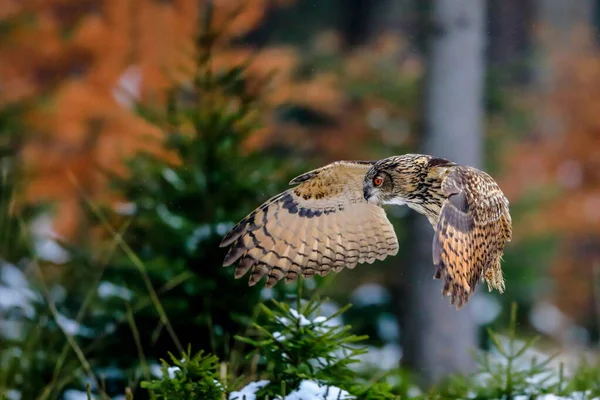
point(135, 133)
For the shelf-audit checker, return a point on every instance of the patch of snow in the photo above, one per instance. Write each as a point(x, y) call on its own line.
point(485, 308)
point(218, 384)
point(524, 363)
point(74, 328)
point(44, 241)
point(11, 330)
point(414, 391)
point(329, 308)
point(577, 334)
point(12, 394)
point(326, 311)
point(73, 394)
point(42, 226)
point(109, 289)
point(550, 396)
point(12, 276)
point(127, 90)
point(547, 318)
point(171, 176)
point(320, 324)
point(125, 208)
point(21, 299)
point(379, 358)
point(314, 390)
point(173, 220)
point(49, 250)
point(370, 294)
point(58, 293)
point(248, 392)
point(266, 293)
point(387, 327)
point(156, 370)
point(298, 318)
point(224, 227)
point(198, 235)
point(324, 323)
point(172, 370)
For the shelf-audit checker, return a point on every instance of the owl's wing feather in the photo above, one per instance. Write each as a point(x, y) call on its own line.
point(322, 224)
point(473, 226)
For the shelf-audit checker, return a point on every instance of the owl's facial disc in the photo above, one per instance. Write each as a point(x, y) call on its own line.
point(373, 189)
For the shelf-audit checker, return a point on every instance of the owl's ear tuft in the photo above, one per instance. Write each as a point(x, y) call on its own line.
point(439, 162)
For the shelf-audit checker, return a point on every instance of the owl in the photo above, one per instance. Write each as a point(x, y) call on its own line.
point(333, 219)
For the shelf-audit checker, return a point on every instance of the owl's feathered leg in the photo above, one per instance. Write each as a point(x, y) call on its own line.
point(495, 277)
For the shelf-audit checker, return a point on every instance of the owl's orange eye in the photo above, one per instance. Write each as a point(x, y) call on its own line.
point(377, 181)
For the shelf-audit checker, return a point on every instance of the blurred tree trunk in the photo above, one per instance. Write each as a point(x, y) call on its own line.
point(437, 337)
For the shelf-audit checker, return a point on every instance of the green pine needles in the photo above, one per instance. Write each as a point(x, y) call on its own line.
point(300, 354)
point(513, 369)
point(296, 344)
point(191, 377)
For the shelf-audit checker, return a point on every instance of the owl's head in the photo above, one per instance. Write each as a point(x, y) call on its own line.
point(400, 179)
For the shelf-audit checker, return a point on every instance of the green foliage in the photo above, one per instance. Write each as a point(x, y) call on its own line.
point(508, 371)
point(180, 207)
point(190, 377)
point(501, 376)
point(297, 344)
point(23, 338)
point(586, 378)
point(295, 348)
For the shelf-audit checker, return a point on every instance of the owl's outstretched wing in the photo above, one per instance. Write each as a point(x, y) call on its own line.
point(469, 238)
point(322, 224)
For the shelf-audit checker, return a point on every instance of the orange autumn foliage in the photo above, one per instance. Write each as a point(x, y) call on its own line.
point(81, 59)
point(362, 123)
point(562, 158)
point(71, 57)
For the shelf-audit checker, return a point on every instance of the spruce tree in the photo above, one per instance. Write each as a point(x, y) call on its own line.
point(180, 209)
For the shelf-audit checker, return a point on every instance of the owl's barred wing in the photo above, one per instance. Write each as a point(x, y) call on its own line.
point(322, 224)
point(473, 226)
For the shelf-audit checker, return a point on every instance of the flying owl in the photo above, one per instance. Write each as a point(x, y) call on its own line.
point(333, 219)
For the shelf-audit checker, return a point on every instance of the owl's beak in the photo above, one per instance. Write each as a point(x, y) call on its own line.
point(366, 193)
point(369, 196)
